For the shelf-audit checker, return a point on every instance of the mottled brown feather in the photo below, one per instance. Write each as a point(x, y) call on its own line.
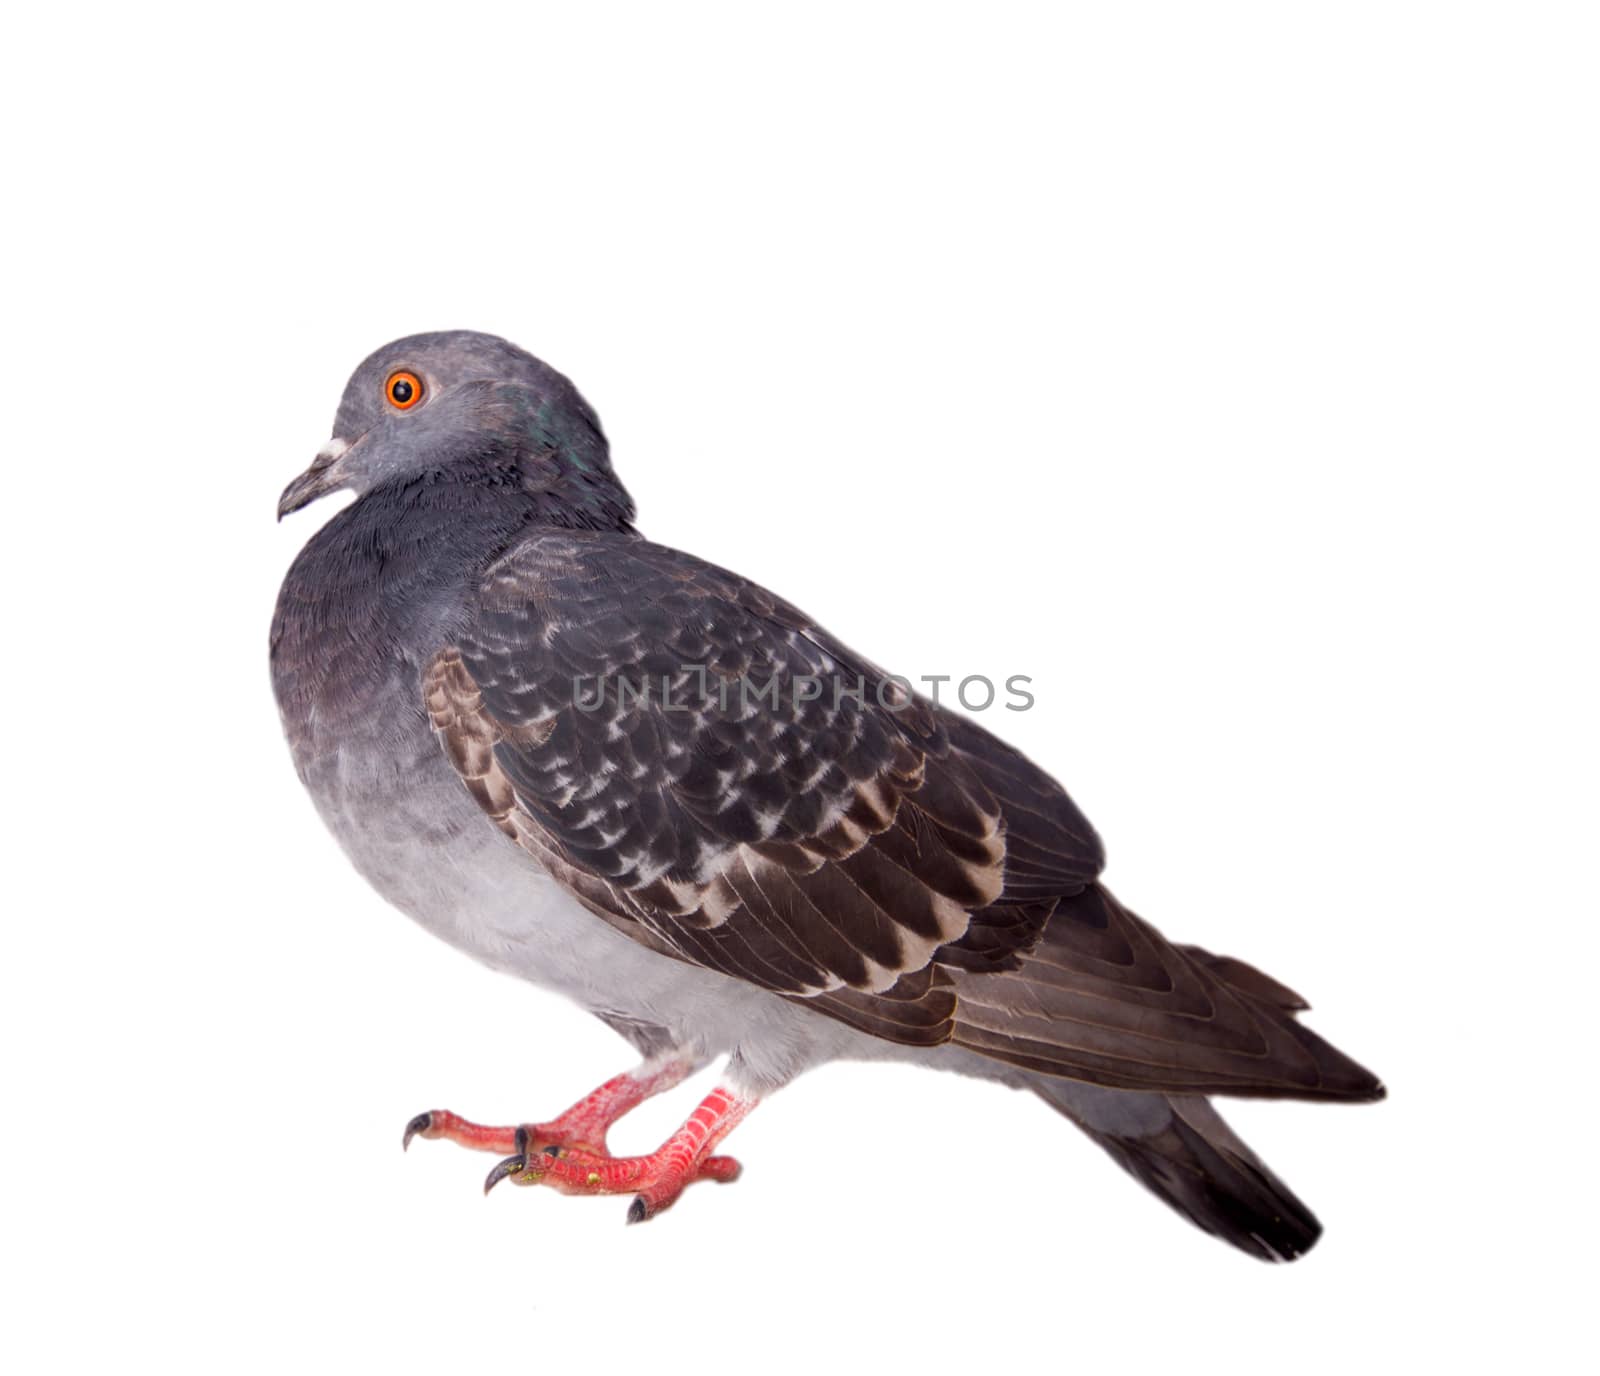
point(900, 870)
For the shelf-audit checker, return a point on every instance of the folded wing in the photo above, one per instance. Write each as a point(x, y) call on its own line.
point(718, 777)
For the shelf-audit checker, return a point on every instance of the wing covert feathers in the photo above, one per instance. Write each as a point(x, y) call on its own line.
point(894, 866)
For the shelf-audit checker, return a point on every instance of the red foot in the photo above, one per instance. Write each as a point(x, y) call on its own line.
point(655, 1180)
point(547, 1140)
point(579, 1134)
point(584, 1125)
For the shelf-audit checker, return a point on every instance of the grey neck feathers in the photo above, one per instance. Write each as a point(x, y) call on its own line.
point(401, 564)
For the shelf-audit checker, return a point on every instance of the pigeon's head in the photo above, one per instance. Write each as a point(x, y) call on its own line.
point(431, 407)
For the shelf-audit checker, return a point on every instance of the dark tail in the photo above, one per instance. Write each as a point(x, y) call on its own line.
point(1179, 1147)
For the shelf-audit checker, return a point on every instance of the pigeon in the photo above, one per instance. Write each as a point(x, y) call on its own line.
point(644, 782)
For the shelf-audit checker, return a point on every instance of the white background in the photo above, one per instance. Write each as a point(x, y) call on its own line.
point(1230, 369)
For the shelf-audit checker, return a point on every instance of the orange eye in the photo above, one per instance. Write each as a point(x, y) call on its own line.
point(404, 390)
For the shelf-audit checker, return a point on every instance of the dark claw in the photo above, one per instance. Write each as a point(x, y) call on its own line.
point(521, 1140)
point(512, 1165)
point(637, 1212)
point(421, 1123)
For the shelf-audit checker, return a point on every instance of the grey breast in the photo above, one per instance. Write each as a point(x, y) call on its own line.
point(373, 595)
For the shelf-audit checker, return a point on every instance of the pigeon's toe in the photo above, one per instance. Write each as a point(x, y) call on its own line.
point(439, 1124)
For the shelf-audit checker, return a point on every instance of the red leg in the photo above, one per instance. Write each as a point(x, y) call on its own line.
point(585, 1125)
point(655, 1180)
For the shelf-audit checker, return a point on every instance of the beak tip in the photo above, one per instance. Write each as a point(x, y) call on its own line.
point(317, 481)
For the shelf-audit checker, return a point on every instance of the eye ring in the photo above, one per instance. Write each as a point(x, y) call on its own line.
point(403, 390)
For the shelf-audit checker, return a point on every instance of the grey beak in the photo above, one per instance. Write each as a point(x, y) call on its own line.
point(318, 480)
